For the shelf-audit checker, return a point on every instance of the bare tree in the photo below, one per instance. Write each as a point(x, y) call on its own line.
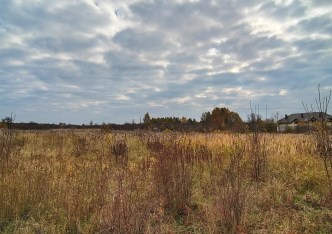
point(322, 134)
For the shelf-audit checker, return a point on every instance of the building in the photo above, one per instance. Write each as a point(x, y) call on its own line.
point(302, 121)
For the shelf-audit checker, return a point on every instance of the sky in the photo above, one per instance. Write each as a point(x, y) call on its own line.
point(112, 61)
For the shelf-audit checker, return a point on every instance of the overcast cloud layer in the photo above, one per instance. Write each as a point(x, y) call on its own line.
point(113, 61)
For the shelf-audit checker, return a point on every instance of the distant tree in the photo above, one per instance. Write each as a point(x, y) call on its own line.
point(255, 122)
point(234, 118)
point(206, 117)
point(222, 119)
point(8, 121)
point(219, 116)
point(270, 125)
point(147, 118)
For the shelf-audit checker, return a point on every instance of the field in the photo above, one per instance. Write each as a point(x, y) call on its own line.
point(142, 182)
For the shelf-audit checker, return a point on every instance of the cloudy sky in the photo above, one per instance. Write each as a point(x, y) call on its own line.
point(113, 60)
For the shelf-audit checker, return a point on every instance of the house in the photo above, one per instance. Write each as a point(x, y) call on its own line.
point(302, 121)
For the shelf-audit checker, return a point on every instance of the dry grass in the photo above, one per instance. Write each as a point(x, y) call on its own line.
point(100, 182)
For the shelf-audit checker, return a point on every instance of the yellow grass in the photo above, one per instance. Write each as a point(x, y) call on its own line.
point(94, 182)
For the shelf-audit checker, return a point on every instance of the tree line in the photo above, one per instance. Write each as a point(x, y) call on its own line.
point(219, 119)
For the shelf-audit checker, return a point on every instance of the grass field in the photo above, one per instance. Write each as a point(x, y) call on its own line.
point(100, 182)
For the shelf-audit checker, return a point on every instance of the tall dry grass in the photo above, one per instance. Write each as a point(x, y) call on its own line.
point(102, 182)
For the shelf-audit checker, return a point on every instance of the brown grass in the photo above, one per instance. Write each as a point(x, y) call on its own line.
point(100, 182)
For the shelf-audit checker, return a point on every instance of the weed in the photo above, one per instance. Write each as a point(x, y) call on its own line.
point(234, 189)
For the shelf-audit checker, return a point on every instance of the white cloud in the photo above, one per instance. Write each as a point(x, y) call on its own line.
point(122, 97)
point(283, 92)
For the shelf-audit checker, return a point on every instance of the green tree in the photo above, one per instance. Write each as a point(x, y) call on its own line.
point(270, 125)
point(147, 118)
point(206, 117)
point(255, 122)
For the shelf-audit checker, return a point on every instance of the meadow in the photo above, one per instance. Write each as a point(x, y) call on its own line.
point(142, 182)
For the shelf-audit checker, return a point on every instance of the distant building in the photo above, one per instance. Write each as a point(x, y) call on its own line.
point(302, 121)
